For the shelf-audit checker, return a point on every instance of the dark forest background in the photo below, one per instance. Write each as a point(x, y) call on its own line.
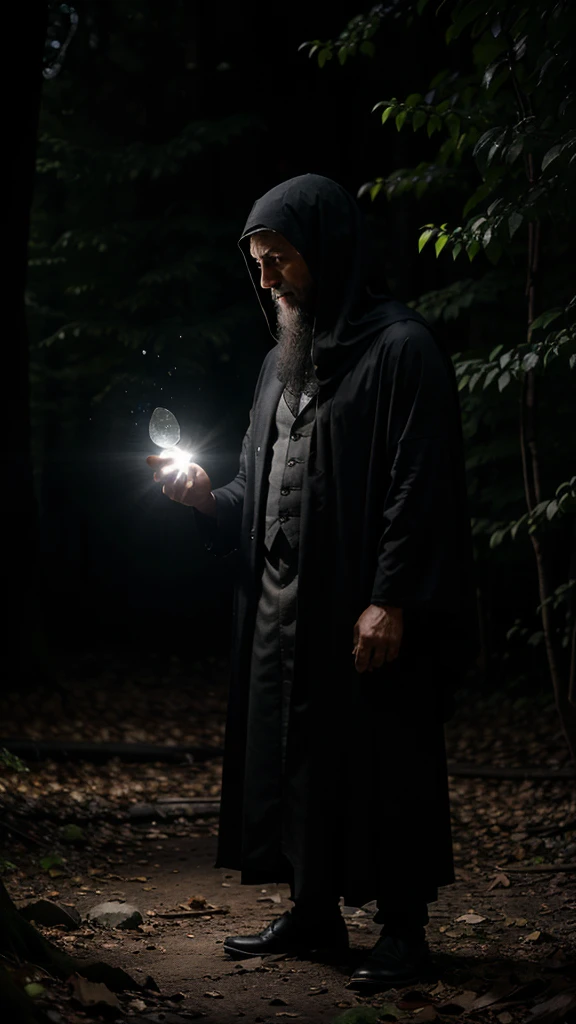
point(166, 120)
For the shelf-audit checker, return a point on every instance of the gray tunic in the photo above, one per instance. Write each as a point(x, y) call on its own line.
point(272, 664)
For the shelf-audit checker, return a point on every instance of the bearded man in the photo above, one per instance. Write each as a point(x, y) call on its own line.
point(352, 609)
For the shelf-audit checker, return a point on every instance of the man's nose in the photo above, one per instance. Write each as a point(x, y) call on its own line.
point(270, 277)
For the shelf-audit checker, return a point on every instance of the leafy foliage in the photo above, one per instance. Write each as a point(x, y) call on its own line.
point(498, 127)
point(10, 763)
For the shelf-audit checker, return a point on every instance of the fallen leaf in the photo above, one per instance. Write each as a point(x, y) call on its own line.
point(214, 995)
point(521, 922)
point(137, 1004)
point(502, 989)
point(414, 1001)
point(533, 937)
point(197, 902)
point(471, 918)
point(461, 1001)
point(91, 993)
point(553, 1009)
point(499, 880)
point(437, 988)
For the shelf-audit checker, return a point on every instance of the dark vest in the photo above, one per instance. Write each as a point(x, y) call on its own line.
point(289, 461)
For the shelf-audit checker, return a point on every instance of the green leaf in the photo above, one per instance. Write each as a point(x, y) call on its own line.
point(490, 376)
point(425, 237)
point(400, 118)
point(52, 861)
point(545, 318)
point(413, 99)
point(464, 18)
point(495, 352)
point(517, 525)
point(514, 150)
point(419, 119)
point(324, 55)
point(434, 124)
point(34, 989)
point(497, 537)
point(453, 125)
point(367, 48)
point(491, 71)
point(481, 192)
point(375, 189)
point(72, 833)
point(457, 249)
point(530, 360)
point(368, 1014)
point(551, 155)
point(440, 243)
point(472, 249)
point(386, 113)
point(463, 382)
point(342, 54)
point(504, 381)
point(514, 221)
point(551, 509)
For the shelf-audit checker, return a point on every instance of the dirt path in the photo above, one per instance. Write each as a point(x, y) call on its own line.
point(186, 959)
point(516, 951)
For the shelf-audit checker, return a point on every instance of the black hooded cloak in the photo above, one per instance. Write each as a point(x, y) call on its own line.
point(384, 521)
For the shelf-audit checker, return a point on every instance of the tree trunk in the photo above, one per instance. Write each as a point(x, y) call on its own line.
point(532, 489)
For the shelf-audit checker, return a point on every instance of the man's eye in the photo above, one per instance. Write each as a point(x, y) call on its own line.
point(268, 260)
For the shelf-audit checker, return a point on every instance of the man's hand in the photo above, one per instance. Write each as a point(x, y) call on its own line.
point(192, 488)
point(377, 637)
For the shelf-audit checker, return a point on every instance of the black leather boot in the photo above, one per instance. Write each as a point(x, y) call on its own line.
point(394, 961)
point(292, 933)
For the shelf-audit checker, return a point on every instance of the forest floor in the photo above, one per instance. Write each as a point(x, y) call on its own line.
point(77, 833)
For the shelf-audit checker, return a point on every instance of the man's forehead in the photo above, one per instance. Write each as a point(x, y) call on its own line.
point(262, 242)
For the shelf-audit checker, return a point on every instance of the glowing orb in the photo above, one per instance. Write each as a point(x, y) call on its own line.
point(164, 431)
point(164, 428)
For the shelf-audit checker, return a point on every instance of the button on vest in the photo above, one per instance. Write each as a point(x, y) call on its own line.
point(289, 463)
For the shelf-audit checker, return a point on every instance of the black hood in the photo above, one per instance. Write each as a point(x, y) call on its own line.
point(324, 223)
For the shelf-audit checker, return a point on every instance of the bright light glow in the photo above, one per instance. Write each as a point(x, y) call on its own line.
point(180, 461)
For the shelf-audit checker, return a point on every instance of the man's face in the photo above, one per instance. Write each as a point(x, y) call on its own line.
point(283, 270)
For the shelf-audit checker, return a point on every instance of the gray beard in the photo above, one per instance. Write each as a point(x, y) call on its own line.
point(295, 368)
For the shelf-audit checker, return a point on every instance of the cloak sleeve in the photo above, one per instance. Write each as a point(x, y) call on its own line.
point(424, 506)
point(221, 533)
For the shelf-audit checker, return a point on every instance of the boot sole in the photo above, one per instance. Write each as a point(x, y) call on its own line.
point(427, 973)
point(366, 983)
point(302, 951)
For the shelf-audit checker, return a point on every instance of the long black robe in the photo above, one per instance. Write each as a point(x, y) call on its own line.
point(384, 521)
